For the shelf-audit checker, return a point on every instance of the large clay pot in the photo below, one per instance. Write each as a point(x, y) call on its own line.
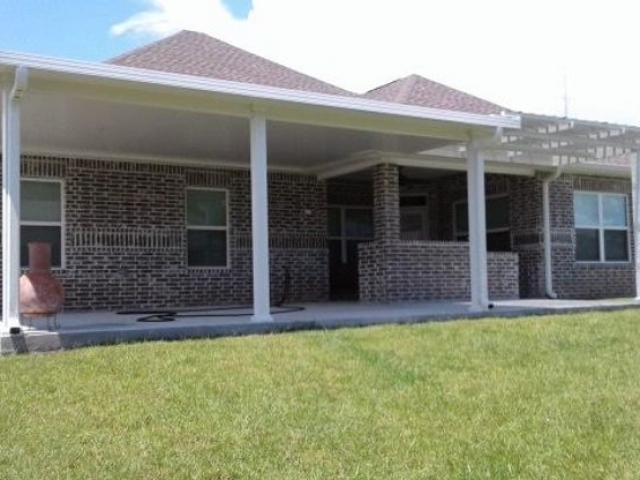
point(41, 293)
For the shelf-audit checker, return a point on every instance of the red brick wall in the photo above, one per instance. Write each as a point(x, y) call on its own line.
point(586, 280)
point(125, 237)
point(125, 234)
point(430, 271)
point(395, 270)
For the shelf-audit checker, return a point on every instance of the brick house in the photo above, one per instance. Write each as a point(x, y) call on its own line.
point(190, 172)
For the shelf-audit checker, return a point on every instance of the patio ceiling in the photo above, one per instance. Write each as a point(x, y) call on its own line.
point(62, 123)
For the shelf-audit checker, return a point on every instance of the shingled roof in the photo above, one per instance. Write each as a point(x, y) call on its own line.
point(420, 91)
point(193, 53)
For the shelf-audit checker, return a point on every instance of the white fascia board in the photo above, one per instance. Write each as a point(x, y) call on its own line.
point(366, 160)
point(98, 72)
point(445, 163)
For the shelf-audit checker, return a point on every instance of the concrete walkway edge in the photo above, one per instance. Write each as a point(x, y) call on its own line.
point(47, 341)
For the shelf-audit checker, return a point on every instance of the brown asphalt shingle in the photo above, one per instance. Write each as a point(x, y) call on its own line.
point(420, 91)
point(192, 53)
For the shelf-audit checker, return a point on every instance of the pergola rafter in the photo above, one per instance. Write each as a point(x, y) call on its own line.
point(562, 140)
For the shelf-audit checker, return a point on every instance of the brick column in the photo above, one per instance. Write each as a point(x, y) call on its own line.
point(525, 210)
point(386, 203)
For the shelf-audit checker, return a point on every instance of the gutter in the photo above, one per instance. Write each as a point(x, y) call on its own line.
point(546, 219)
point(96, 72)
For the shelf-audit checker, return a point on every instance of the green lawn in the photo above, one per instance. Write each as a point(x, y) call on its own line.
point(538, 398)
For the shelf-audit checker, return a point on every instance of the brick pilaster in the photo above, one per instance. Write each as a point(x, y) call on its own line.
point(386, 203)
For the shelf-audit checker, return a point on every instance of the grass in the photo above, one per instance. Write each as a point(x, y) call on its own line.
point(541, 398)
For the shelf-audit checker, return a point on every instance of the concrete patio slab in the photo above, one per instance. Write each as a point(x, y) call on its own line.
point(78, 329)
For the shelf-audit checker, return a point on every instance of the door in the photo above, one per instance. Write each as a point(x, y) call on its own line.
point(348, 227)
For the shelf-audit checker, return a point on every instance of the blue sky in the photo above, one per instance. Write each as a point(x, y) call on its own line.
point(238, 8)
point(77, 29)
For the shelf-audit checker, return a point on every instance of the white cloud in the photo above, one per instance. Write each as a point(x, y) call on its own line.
point(163, 17)
point(514, 53)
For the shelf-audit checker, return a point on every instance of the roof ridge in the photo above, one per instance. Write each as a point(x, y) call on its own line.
point(142, 47)
point(417, 90)
point(406, 86)
point(197, 53)
point(440, 84)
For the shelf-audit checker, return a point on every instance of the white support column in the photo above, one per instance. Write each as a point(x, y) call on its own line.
point(11, 151)
point(477, 229)
point(635, 196)
point(260, 221)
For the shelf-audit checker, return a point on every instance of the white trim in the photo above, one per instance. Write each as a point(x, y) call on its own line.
point(369, 159)
point(601, 228)
point(62, 223)
point(225, 229)
point(258, 95)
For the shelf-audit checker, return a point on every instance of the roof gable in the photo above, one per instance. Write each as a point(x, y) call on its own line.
point(420, 91)
point(193, 53)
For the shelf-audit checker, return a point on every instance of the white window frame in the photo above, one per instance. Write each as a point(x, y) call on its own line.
point(343, 227)
point(225, 229)
point(422, 210)
point(601, 228)
point(457, 234)
point(62, 223)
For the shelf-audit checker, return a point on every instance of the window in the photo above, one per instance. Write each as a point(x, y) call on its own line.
point(41, 218)
point(602, 227)
point(207, 228)
point(413, 217)
point(349, 226)
point(498, 228)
